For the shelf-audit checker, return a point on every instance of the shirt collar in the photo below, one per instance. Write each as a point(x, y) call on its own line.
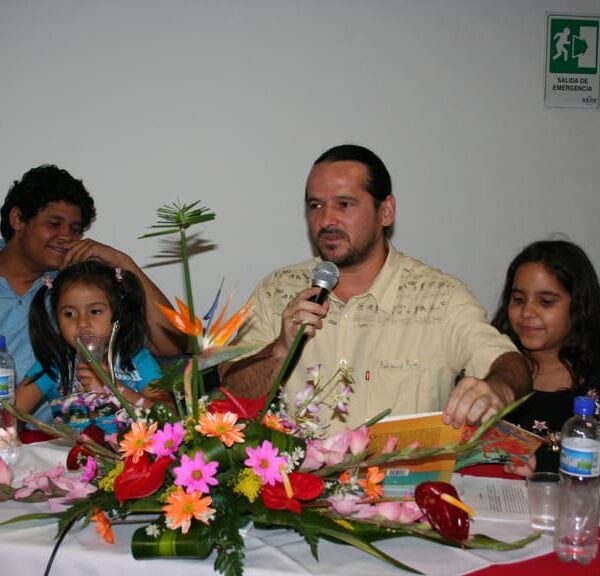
point(385, 286)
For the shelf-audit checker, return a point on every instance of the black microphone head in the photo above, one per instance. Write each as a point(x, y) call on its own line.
point(325, 275)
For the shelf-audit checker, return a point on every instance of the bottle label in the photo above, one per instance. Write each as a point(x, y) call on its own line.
point(7, 383)
point(580, 457)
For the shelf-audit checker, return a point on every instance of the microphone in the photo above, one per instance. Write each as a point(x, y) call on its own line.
point(325, 276)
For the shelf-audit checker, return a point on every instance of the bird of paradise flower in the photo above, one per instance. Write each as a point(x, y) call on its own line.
point(207, 340)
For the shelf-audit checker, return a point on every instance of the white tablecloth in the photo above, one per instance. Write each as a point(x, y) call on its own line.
point(26, 547)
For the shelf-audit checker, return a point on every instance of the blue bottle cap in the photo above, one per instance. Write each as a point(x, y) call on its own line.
point(584, 406)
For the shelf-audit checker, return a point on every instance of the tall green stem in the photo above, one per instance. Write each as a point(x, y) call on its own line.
point(197, 380)
point(283, 371)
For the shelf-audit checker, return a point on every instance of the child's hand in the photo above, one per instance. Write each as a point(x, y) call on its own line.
point(526, 470)
point(88, 378)
point(153, 396)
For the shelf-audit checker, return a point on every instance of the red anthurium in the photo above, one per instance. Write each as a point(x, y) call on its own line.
point(78, 451)
point(142, 478)
point(94, 433)
point(74, 457)
point(303, 487)
point(245, 408)
point(441, 505)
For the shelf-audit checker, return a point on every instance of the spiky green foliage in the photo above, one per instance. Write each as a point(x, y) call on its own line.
point(176, 217)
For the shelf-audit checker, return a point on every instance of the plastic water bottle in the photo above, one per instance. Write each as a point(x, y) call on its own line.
point(576, 528)
point(9, 438)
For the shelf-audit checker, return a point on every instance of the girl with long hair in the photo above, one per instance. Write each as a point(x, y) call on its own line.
point(83, 302)
point(550, 308)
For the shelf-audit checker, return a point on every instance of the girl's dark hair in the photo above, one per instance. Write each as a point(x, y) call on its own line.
point(128, 304)
point(569, 264)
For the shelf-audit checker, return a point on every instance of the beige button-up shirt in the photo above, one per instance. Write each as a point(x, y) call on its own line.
point(407, 338)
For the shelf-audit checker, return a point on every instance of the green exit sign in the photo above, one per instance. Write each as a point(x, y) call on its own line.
point(572, 78)
point(573, 46)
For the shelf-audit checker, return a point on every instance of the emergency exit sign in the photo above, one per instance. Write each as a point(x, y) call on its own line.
point(572, 61)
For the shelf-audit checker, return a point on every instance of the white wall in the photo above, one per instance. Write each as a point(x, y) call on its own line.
point(230, 101)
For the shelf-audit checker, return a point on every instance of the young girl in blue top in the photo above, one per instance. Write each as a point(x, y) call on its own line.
point(83, 301)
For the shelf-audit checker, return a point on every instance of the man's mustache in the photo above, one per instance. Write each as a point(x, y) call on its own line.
point(335, 231)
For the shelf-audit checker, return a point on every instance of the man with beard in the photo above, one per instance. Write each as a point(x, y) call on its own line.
point(406, 329)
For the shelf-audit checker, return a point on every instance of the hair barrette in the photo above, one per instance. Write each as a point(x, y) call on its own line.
point(48, 282)
point(119, 274)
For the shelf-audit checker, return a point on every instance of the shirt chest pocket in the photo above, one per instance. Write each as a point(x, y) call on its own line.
point(406, 386)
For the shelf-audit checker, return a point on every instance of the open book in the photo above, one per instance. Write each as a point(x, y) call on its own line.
point(502, 443)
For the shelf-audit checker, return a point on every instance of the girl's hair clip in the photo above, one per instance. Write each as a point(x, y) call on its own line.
point(119, 274)
point(48, 282)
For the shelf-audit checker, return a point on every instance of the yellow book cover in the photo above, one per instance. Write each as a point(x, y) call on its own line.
point(425, 431)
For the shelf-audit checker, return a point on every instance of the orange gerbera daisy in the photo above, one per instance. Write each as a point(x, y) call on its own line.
point(372, 483)
point(221, 425)
point(271, 421)
point(182, 507)
point(103, 526)
point(138, 440)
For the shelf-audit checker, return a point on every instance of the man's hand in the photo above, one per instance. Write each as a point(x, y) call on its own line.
point(475, 400)
point(254, 376)
point(300, 311)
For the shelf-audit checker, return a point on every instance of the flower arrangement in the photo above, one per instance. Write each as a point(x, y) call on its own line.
point(222, 462)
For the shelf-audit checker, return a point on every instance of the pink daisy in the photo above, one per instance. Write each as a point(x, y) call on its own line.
point(90, 470)
point(168, 440)
point(196, 475)
point(265, 462)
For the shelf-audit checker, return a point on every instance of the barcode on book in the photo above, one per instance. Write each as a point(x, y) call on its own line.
point(397, 472)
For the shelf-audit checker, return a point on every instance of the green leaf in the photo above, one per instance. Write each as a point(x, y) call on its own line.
point(318, 524)
point(6, 492)
point(210, 358)
point(61, 430)
point(27, 517)
point(490, 422)
point(197, 543)
point(380, 530)
point(486, 542)
point(176, 217)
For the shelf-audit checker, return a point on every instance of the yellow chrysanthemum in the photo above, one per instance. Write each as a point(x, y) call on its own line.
point(107, 483)
point(343, 523)
point(248, 484)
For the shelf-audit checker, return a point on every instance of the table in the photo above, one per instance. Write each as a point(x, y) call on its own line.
point(26, 547)
point(547, 564)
